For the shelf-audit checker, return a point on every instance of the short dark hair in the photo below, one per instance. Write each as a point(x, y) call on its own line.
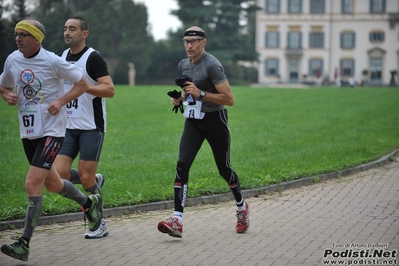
point(83, 23)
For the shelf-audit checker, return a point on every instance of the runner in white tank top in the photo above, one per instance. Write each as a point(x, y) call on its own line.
point(86, 116)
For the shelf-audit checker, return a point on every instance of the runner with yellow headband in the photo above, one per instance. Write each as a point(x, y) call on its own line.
point(32, 29)
point(32, 80)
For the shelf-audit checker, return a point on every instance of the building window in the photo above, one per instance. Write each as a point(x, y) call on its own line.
point(347, 6)
point(295, 6)
point(271, 67)
point(316, 67)
point(272, 39)
point(377, 36)
point(347, 67)
point(316, 40)
point(273, 6)
point(377, 6)
point(317, 6)
point(294, 40)
point(347, 40)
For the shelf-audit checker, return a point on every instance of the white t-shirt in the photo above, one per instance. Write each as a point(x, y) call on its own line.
point(38, 81)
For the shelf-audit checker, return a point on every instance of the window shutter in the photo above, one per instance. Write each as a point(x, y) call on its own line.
point(354, 40)
point(277, 67)
point(342, 39)
point(300, 40)
point(278, 39)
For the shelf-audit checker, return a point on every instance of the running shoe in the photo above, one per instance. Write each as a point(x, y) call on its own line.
point(19, 250)
point(242, 220)
point(100, 179)
point(99, 233)
point(171, 226)
point(93, 213)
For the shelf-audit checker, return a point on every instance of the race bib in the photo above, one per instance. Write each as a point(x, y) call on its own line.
point(74, 109)
point(194, 111)
point(30, 118)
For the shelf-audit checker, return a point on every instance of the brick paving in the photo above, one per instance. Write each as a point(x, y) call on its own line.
point(290, 227)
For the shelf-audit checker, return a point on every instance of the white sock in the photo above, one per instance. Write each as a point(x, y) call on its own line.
point(243, 207)
point(179, 216)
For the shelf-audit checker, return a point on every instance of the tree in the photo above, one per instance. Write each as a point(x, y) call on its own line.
point(124, 37)
point(166, 56)
point(5, 35)
point(118, 29)
point(53, 14)
point(18, 11)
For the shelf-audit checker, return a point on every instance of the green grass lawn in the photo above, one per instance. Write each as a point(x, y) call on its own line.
point(277, 135)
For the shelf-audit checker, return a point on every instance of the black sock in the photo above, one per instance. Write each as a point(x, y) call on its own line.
point(88, 203)
point(27, 240)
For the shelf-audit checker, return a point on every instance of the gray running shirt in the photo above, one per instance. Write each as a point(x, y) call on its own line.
point(205, 73)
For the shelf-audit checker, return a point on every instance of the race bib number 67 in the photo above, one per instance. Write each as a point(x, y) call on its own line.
point(30, 119)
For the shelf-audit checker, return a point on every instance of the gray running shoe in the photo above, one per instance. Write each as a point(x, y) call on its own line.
point(100, 179)
point(93, 213)
point(99, 233)
point(19, 250)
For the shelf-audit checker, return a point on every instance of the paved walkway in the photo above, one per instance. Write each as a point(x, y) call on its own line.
point(347, 216)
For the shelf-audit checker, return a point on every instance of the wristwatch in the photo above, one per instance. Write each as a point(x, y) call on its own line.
point(202, 94)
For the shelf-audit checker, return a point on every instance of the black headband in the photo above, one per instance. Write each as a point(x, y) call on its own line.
point(194, 33)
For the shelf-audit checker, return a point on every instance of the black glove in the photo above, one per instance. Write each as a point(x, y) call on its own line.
point(176, 95)
point(180, 82)
point(182, 79)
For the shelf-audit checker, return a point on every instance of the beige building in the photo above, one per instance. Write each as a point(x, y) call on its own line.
point(308, 41)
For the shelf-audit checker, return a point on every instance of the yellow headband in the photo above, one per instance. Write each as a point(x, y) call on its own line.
point(32, 29)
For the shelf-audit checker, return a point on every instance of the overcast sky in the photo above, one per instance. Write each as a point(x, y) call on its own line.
point(159, 16)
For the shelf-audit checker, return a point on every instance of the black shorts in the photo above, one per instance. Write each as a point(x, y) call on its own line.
point(42, 152)
point(86, 142)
